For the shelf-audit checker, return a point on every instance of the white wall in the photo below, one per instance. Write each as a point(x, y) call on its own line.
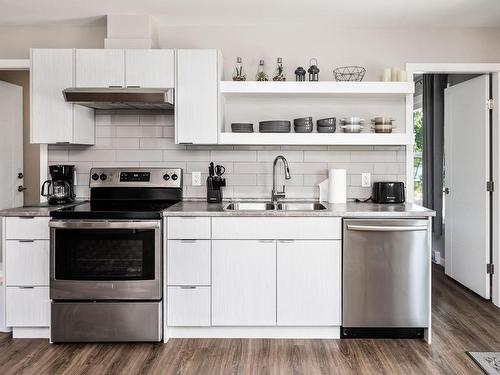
point(372, 48)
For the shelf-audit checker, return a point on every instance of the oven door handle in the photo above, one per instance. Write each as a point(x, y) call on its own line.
point(62, 224)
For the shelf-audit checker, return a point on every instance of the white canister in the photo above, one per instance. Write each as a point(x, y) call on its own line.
point(337, 185)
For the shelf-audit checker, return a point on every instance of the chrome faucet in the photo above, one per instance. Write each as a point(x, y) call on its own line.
point(275, 195)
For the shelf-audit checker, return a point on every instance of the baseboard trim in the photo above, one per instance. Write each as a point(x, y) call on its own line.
point(253, 332)
point(30, 332)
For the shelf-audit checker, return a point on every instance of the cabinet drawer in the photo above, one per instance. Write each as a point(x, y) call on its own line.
point(316, 228)
point(27, 307)
point(27, 263)
point(29, 228)
point(188, 262)
point(188, 306)
point(188, 228)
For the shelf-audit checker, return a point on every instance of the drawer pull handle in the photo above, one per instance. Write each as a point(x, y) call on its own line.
point(188, 287)
point(26, 217)
point(266, 241)
point(27, 287)
point(26, 240)
point(286, 241)
point(188, 241)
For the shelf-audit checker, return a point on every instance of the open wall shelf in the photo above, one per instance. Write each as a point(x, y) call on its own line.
point(315, 139)
point(316, 88)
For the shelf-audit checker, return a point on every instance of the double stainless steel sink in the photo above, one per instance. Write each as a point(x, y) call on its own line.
point(269, 206)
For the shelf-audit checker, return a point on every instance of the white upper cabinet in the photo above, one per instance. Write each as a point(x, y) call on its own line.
point(150, 68)
point(100, 68)
point(52, 119)
point(197, 107)
point(309, 283)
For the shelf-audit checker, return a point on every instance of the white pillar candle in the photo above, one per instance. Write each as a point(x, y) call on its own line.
point(402, 77)
point(386, 75)
point(394, 74)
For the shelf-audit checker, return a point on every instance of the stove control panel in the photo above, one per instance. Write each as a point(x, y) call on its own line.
point(136, 177)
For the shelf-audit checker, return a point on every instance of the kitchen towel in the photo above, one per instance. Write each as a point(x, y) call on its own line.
point(337, 186)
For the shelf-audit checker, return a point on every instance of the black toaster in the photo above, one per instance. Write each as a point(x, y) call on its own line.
point(388, 192)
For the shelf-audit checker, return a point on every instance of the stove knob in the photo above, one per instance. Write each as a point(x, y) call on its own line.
point(103, 177)
point(166, 177)
point(174, 177)
point(95, 177)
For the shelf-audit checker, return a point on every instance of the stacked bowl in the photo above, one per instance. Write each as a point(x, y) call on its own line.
point(242, 127)
point(326, 125)
point(352, 124)
point(303, 125)
point(383, 124)
point(277, 126)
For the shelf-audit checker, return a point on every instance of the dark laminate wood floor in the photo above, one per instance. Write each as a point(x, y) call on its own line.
point(462, 322)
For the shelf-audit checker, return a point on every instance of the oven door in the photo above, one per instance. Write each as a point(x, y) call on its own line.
point(105, 260)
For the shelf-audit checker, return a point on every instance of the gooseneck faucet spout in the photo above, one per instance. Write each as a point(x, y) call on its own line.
point(275, 195)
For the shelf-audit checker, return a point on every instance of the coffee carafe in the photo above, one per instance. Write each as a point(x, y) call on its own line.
point(59, 189)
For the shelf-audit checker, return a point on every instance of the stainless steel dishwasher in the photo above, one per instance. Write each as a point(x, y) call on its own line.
point(386, 266)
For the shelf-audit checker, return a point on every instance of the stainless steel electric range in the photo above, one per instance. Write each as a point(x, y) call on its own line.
point(106, 257)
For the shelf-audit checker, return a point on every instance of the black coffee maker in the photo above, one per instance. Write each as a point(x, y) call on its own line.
point(60, 188)
point(215, 182)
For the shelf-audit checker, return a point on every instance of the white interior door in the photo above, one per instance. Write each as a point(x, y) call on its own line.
point(11, 144)
point(467, 170)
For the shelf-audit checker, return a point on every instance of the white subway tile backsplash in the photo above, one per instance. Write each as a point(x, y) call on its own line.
point(374, 156)
point(105, 131)
point(186, 155)
point(139, 131)
point(327, 156)
point(291, 156)
point(226, 155)
point(148, 141)
point(139, 155)
point(92, 154)
point(58, 155)
point(124, 120)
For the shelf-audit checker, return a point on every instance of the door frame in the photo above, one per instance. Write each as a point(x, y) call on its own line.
point(467, 68)
point(25, 64)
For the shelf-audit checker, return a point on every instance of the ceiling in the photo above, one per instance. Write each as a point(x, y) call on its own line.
point(341, 13)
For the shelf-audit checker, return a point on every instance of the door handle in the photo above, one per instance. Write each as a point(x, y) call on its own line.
point(446, 190)
point(373, 228)
point(21, 188)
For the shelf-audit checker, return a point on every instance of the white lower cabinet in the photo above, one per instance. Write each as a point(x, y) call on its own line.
point(188, 306)
point(308, 283)
point(244, 283)
point(27, 263)
point(27, 307)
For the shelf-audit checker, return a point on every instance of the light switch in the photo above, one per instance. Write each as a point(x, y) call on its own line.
point(366, 179)
point(196, 178)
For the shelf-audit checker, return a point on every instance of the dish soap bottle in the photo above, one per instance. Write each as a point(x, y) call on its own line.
point(239, 74)
point(261, 74)
point(279, 73)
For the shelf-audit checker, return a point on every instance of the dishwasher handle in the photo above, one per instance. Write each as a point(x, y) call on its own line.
point(386, 228)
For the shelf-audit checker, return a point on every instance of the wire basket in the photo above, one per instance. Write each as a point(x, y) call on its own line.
point(349, 73)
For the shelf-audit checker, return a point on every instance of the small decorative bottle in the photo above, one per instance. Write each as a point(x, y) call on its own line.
point(279, 73)
point(239, 74)
point(261, 74)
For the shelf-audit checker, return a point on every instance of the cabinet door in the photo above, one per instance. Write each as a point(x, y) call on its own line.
point(197, 96)
point(100, 68)
point(27, 263)
point(243, 283)
point(151, 68)
point(308, 283)
point(27, 307)
point(51, 116)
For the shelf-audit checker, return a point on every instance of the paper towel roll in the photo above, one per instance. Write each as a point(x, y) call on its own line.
point(337, 187)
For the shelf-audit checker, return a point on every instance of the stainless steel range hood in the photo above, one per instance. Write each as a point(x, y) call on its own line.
point(121, 98)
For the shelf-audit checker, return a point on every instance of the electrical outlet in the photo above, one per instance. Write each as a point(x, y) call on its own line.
point(366, 179)
point(196, 178)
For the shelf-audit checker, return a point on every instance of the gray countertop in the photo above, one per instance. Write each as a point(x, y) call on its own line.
point(350, 209)
point(43, 209)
